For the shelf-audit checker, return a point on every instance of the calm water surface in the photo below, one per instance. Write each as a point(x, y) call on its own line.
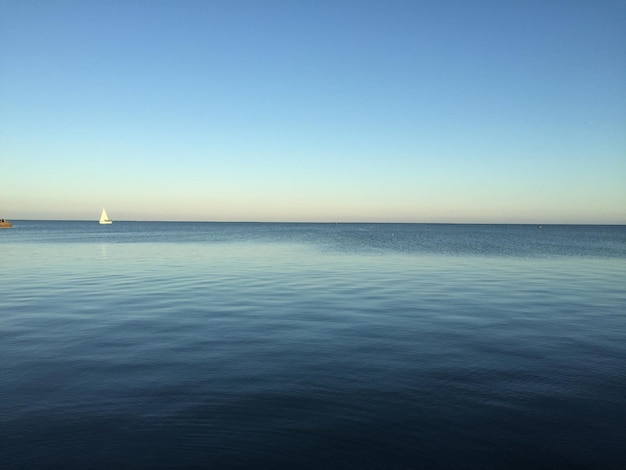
point(232, 345)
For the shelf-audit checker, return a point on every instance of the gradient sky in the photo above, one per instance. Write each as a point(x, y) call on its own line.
point(298, 110)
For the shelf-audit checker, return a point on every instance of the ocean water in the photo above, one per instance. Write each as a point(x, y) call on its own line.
point(235, 345)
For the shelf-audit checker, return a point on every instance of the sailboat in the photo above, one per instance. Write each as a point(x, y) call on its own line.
point(104, 218)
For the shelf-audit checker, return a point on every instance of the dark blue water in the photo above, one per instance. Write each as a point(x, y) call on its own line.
point(226, 345)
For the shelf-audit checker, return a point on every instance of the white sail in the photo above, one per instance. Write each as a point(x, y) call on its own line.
point(104, 218)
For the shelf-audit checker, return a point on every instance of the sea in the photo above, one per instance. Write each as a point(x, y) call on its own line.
point(313, 346)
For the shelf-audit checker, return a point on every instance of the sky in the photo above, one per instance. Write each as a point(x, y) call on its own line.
point(446, 111)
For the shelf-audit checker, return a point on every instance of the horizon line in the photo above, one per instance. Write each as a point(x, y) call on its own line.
point(321, 222)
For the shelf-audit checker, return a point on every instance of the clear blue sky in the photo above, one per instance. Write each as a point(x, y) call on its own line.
point(298, 110)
